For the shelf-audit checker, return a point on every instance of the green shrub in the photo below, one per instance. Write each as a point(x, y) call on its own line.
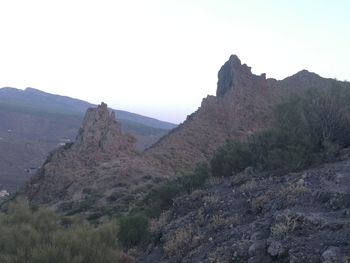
point(233, 157)
point(132, 230)
point(195, 180)
point(161, 198)
point(35, 235)
point(308, 129)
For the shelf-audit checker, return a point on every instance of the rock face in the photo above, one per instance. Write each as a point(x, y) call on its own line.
point(233, 74)
point(101, 136)
point(242, 105)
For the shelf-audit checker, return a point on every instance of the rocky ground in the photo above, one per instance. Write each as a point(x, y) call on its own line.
point(255, 217)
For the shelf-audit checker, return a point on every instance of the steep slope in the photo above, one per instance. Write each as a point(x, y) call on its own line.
point(34, 122)
point(242, 105)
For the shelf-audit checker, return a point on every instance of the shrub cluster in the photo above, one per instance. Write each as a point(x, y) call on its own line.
point(37, 235)
point(161, 198)
point(308, 129)
point(133, 230)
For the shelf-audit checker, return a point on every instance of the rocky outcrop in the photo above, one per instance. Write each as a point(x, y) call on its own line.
point(242, 105)
point(99, 146)
point(101, 136)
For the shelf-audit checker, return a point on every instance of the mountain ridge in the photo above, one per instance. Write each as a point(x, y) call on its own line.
point(244, 105)
point(75, 105)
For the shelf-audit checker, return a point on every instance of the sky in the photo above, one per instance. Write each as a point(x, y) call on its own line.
point(160, 58)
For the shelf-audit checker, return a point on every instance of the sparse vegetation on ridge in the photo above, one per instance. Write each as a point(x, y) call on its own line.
point(309, 129)
point(161, 198)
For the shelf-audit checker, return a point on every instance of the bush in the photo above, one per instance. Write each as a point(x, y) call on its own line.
point(308, 129)
point(233, 157)
point(196, 180)
point(29, 235)
point(161, 198)
point(133, 230)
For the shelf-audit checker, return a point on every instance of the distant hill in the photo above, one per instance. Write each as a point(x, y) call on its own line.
point(39, 101)
point(34, 122)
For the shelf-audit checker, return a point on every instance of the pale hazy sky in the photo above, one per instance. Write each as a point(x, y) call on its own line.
point(161, 57)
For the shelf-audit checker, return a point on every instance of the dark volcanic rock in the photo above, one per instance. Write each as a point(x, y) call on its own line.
point(233, 222)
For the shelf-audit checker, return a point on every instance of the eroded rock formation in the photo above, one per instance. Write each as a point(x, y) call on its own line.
point(103, 158)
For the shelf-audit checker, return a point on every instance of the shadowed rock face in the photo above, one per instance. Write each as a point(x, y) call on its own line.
point(233, 74)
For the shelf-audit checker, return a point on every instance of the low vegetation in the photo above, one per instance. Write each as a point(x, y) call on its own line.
point(161, 198)
point(308, 129)
point(35, 234)
point(133, 230)
point(30, 234)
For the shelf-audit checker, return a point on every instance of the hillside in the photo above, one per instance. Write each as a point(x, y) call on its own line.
point(259, 173)
point(243, 105)
point(260, 217)
point(34, 122)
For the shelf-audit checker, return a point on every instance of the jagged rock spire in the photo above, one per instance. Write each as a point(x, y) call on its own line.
point(233, 73)
point(100, 132)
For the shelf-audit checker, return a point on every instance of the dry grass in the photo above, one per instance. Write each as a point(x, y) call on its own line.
point(179, 242)
point(293, 191)
point(157, 224)
point(218, 221)
point(210, 199)
point(215, 180)
point(249, 186)
point(285, 227)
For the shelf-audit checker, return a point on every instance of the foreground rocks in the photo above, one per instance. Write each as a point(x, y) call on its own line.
point(295, 217)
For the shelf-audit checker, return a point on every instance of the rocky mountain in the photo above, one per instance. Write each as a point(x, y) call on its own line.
point(102, 160)
point(243, 105)
point(34, 122)
point(250, 216)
